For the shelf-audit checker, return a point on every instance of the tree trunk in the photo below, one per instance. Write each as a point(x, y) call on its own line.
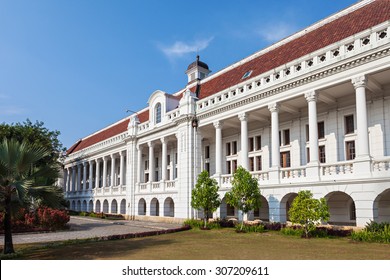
point(8, 245)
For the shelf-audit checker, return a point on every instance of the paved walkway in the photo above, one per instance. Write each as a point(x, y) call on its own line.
point(84, 227)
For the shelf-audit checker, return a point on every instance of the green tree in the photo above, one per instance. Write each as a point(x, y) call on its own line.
point(205, 195)
point(21, 179)
point(35, 133)
point(245, 194)
point(308, 211)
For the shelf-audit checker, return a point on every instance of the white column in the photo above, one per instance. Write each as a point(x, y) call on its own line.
point(139, 161)
point(84, 175)
point(275, 145)
point(311, 98)
point(97, 177)
point(151, 161)
point(90, 174)
point(218, 147)
point(244, 140)
point(73, 178)
point(79, 177)
point(65, 180)
point(113, 183)
point(361, 117)
point(164, 159)
point(104, 179)
point(122, 168)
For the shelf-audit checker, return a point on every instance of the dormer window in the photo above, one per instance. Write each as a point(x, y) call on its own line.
point(247, 74)
point(157, 113)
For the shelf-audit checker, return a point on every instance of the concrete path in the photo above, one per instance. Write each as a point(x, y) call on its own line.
point(84, 227)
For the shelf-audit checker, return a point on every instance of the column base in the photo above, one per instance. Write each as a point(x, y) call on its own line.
point(274, 175)
point(313, 171)
point(362, 167)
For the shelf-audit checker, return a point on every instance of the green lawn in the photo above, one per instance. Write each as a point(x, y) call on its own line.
point(213, 244)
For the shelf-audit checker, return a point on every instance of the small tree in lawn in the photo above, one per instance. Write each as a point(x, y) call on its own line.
point(308, 211)
point(205, 195)
point(245, 193)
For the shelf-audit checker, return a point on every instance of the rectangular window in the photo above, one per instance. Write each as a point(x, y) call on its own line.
point(349, 124)
point(258, 143)
point(307, 133)
point(234, 167)
point(207, 152)
point(307, 154)
point(146, 165)
point(146, 177)
point(259, 165)
point(285, 160)
point(251, 144)
point(280, 138)
point(228, 150)
point(175, 158)
point(156, 162)
point(251, 164)
point(207, 167)
point(321, 154)
point(234, 148)
point(156, 176)
point(321, 130)
point(168, 159)
point(350, 150)
point(286, 134)
point(228, 167)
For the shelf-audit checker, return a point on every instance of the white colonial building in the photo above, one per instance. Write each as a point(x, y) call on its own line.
point(311, 112)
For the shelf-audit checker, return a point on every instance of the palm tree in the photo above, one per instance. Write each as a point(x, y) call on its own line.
point(22, 180)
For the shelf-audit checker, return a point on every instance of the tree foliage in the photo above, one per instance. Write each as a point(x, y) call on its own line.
point(245, 194)
point(308, 211)
point(22, 178)
point(37, 134)
point(205, 195)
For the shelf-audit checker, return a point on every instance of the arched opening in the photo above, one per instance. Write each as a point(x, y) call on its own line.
point(142, 207)
point(98, 208)
point(90, 206)
point(78, 206)
point(157, 113)
point(114, 207)
point(262, 213)
point(285, 205)
point(382, 207)
point(84, 206)
point(123, 207)
point(154, 207)
point(227, 211)
point(105, 206)
point(341, 209)
point(169, 207)
point(73, 206)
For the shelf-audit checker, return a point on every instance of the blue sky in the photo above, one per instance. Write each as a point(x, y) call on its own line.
point(78, 65)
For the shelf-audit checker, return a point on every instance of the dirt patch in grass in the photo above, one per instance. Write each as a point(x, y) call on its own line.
point(214, 244)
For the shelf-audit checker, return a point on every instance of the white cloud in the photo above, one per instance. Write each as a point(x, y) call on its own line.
point(179, 48)
point(275, 32)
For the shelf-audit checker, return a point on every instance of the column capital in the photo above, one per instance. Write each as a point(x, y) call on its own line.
point(218, 124)
point(360, 81)
point(150, 144)
point(85, 163)
point(123, 153)
point(98, 160)
point(243, 117)
point(163, 140)
point(311, 96)
point(274, 107)
point(112, 156)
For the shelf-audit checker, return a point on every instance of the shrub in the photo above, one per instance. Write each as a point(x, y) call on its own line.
point(375, 226)
point(292, 231)
point(194, 223)
point(371, 233)
point(273, 226)
point(249, 228)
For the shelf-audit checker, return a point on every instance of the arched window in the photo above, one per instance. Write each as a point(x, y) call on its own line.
point(157, 113)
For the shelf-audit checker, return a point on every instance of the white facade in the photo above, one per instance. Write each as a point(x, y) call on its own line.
point(320, 122)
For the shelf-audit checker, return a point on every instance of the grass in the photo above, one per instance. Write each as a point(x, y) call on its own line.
point(214, 244)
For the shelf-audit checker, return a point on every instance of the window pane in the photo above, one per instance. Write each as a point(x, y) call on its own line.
point(349, 124)
point(158, 113)
point(321, 130)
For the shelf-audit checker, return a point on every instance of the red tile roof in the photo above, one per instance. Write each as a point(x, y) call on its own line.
point(332, 32)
